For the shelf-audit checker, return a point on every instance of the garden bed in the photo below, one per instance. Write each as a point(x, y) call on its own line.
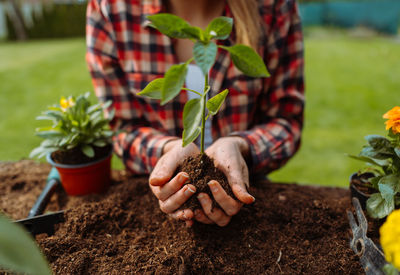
point(290, 229)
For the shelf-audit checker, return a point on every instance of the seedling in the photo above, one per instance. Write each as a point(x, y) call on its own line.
point(197, 111)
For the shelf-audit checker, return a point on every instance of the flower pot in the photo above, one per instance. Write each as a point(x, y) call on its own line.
point(360, 193)
point(84, 179)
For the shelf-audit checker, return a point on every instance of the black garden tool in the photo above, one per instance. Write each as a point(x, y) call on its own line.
point(371, 257)
point(36, 223)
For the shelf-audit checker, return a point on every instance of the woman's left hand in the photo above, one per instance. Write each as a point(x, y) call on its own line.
point(228, 154)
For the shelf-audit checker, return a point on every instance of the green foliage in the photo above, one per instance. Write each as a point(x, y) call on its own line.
point(57, 21)
point(204, 54)
point(389, 269)
point(18, 251)
point(74, 123)
point(381, 154)
point(247, 60)
point(173, 82)
point(214, 103)
point(220, 28)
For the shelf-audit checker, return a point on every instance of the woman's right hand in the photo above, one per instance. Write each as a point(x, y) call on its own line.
point(172, 193)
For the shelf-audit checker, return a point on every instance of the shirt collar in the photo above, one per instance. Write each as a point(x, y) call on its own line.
point(149, 7)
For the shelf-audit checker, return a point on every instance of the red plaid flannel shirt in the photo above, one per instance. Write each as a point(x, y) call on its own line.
point(124, 54)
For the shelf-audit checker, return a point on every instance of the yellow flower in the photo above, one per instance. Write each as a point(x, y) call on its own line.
point(393, 121)
point(66, 103)
point(390, 238)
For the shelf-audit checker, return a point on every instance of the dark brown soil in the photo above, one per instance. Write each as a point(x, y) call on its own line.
point(290, 229)
point(362, 183)
point(76, 156)
point(201, 170)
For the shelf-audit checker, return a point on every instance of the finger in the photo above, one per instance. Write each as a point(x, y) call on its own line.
point(226, 202)
point(201, 217)
point(189, 223)
point(176, 200)
point(185, 215)
point(164, 169)
point(215, 214)
point(242, 194)
point(165, 191)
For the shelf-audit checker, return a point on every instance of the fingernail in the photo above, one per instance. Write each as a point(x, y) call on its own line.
point(189, 191)
point(184, 176)
point(184, 215)
point(201, 196)
point(213, 186)
point(253, 198)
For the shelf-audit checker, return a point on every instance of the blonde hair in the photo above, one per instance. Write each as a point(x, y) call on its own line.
point(247, 22)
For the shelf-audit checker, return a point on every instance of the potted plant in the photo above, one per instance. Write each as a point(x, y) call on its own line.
point(196, 111)
point(379, 183)
point(78, 143)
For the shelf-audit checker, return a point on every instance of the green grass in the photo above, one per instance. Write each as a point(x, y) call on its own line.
point(350, 83)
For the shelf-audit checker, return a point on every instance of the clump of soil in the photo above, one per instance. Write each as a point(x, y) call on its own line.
point(201, 170)
point(290, 229)
point(76, 156)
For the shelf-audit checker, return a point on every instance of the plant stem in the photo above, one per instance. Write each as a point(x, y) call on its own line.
point(203, 116)
point(193, 91)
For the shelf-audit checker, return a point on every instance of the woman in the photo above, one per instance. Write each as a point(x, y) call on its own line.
point(259, 126)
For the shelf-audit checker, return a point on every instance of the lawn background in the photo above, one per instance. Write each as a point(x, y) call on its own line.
point(350, 82)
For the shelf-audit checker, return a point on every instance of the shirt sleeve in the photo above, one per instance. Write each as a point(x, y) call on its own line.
point(139, 146)
point(277, 138)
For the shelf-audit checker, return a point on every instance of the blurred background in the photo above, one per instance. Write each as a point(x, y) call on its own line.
point(352, 57)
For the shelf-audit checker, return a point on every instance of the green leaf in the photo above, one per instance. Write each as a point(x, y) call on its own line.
point(87, 150)
point(397, 151)
point(100, 143)
point(193, 32)
point(204, 55)
point(387, 192)
point(380, 144)
point(370, 160)
point(390, 181)
point(370, 152)
point(18, 251)
point(220, 28)
point(247, 60)
point(192, 114)
point(49, 134)
point(170, 25)
point(389, 269)
point(377, 207)
point(214, 103)
point(173, 82)
point(40, 152)
point(187, 139)
point(375, 181)
point(153, 89)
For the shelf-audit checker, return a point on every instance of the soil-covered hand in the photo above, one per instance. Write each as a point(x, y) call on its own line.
point(172, 193)
point(228, 154)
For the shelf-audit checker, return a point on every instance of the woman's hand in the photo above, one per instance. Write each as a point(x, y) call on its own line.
point(228, 154)
point(173, 193)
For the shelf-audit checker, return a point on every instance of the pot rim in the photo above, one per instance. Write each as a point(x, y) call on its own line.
point(55, 164)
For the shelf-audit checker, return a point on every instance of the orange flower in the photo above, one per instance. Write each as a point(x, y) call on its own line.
point(393, 121)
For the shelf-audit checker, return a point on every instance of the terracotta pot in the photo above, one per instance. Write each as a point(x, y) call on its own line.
point(84, 179)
